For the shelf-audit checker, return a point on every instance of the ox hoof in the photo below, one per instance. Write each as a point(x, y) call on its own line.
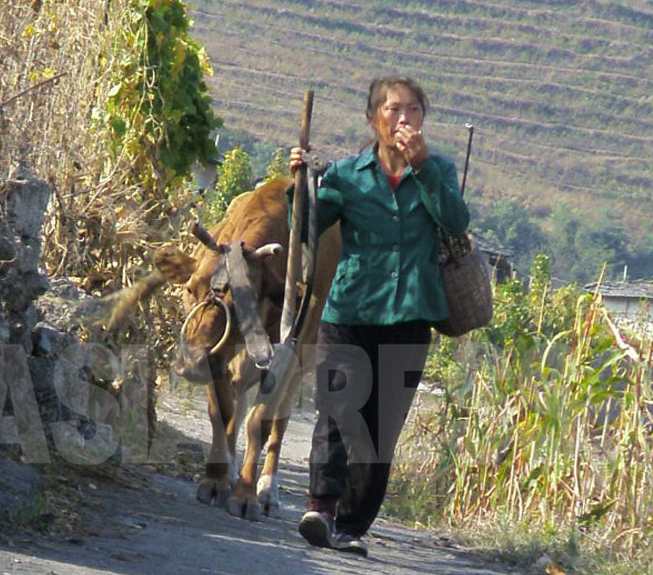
point(222, 498)
point(272, 510)
point(209, 494)
point(206, 494)
point(243, 509)
point(268, 495)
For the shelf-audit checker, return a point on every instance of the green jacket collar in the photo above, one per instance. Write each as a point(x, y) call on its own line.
point(366, 159)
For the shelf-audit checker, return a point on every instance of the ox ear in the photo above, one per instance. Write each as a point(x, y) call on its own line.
point(175, 266)
point(265, 251)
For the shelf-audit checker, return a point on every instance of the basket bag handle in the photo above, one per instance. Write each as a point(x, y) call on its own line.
point(449, 254)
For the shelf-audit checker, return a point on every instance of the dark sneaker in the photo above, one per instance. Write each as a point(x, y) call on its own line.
point(317, 528)
point(349, 544)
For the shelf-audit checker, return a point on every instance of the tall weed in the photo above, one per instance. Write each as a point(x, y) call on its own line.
point(543, 429)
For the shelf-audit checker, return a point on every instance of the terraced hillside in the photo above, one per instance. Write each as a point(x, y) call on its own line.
point(560, 92)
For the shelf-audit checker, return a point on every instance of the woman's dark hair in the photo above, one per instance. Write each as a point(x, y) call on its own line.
point(379, 90)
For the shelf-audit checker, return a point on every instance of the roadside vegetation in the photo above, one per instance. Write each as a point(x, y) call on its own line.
point(536, 443)
point(107, 101)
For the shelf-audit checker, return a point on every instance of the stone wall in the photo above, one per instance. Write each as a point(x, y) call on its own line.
point(23, 201)
point(50, 381)
point(62, 400)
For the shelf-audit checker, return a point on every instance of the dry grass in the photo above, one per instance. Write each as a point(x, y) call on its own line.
point(57, 63)
point(49, 80)
point(549, 437)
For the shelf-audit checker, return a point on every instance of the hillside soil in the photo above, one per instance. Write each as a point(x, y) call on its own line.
point(143, 520)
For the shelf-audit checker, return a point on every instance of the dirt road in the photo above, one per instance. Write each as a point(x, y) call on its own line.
point(148, 522)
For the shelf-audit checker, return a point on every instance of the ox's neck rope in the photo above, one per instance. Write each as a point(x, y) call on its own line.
point(256, 338)
point(211, 300)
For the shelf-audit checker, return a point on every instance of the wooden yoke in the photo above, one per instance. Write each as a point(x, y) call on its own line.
point(293, 270)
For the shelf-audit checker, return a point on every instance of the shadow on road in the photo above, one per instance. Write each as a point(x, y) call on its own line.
point(145, 520)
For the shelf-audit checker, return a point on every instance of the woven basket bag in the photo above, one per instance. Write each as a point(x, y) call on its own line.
point(467, 286)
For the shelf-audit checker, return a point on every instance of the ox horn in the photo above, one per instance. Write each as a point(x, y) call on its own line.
point(265, 251)
point(225, 335)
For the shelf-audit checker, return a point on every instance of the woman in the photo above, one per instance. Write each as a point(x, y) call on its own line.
point(375, 330)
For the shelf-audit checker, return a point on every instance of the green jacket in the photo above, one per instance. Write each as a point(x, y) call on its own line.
point(388, 270)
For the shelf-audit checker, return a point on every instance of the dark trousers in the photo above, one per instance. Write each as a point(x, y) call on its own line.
point(366, 380)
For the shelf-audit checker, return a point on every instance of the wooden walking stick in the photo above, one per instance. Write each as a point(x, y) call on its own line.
point(283, 352)
point(293, 271)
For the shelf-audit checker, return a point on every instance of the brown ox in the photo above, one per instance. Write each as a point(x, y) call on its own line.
point(259, 219)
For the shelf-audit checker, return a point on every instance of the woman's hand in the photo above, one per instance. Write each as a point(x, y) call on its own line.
point(411, 144)
point(296, 160)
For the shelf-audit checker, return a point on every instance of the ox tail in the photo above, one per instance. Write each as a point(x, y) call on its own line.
point(125, 300)
point(111, 311)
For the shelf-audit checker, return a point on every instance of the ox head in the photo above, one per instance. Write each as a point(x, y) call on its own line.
point(211, 335)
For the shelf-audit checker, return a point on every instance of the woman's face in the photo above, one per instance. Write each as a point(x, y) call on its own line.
point(401, 108)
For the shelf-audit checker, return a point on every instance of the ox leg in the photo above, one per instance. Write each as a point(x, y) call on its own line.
point(268, 484)
point(240, 411)
point(268, 418)
point(267, 488)
point(215, 486)
point(243, 502)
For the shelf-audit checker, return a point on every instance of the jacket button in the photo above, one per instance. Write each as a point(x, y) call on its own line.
point(394, 275)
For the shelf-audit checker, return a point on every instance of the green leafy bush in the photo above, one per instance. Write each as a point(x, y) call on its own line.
point(278, 165)
point(234, 178)
point(158, 107)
